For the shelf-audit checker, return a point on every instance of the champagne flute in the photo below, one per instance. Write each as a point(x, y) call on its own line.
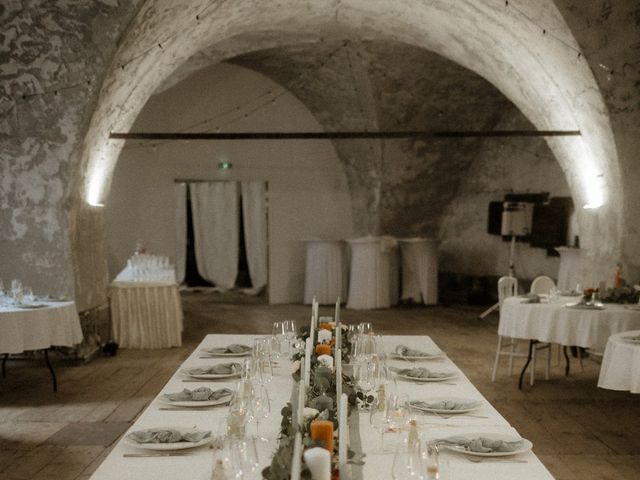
point(260, 408)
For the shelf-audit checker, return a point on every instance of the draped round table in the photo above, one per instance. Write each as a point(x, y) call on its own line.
point(419, 270)
point(24, 329)
point(374, 275)
point(556, 323)
point(325, 272)
point(620, 368)
point(146, 315)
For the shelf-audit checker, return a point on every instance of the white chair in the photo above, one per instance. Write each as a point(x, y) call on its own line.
point(508, 287)
point(542, 285)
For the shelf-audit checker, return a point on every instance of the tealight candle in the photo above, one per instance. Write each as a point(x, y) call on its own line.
point(322, 430)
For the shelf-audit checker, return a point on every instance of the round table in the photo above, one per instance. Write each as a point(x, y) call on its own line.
point(325, 272)
point(620, 368)
point(146, 314)
point(374, 274)
point(556, 323)
point(419, 270)
point(23, 329)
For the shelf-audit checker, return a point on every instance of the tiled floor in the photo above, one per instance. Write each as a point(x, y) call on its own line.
point(579, 431)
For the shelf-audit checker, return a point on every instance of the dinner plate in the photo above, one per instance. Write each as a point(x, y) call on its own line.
point(31, 305)
point(195, 403)
point(168, 446)
point(477, 404)
point(526, 445)
point(213, 355)
point(584, 306)
point(410, 358)
point(210, 376)
point(430, 379)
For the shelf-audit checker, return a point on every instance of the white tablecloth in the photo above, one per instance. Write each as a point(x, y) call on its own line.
point(419, 270)
point(556, 323)
point(21, 330)
point(146, 315)
point(326, 271)
point(569, 270)
point(374, 275)
point(454, 466)
point(620, 368)
point(199, 464)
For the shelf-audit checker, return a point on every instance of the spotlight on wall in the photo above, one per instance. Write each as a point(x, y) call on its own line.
point(225, 165)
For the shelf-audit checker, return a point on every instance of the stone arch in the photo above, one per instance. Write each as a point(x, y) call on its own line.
point(542, 75)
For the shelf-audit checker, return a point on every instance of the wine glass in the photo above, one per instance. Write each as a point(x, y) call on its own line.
point(365, 328)
point(289, 328)
point(364, 383)
point(260, 408)
point(407, 461)
point(27, 294)
point(16, 290)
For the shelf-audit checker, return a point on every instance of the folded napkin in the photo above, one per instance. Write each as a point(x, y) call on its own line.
point(405, 351)
point(419, 372)
point(221, 369)
point(165, 435)
point(201, 394)
point(444, 405)
point(234, 348)
point(482, 444)
point(532, 298)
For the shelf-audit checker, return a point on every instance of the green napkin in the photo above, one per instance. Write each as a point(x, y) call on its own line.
point(201, 394)
point(532, 298)
point(444, 405)
point(234, 348)
point(405, 351)
point(165, 435)
point(419, 372)
point(221, 369)
point(482, 444)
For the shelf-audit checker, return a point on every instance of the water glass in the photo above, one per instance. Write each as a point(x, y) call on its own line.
point(407, 462)
point(27, 295)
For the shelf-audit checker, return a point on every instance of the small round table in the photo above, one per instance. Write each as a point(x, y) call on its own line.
point(620, 368)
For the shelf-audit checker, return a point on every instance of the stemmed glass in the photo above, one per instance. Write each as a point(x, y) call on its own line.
point(407, 461)
point(365, 382)
point(262, 352)
point(289, 329)
point(277, 337)
point(240, 457)
point(260, 407)
point(16, 290)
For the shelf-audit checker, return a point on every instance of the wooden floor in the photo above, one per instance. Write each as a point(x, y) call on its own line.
point(579, 431)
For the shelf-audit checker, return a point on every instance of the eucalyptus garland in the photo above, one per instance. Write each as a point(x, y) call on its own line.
point(320, 403)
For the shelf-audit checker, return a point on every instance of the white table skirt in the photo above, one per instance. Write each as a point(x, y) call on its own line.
point(34, 329)
point(325, 272)
point(146, 315)
point(620, 368)
point(199, 464)
point(419, 270)
point(556, 323)
point(374, 275)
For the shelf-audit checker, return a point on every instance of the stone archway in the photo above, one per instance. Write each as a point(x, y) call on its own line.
point(546, 79)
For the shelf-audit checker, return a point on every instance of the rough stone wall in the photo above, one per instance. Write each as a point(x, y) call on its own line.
point(608, 32)
point(53, 56)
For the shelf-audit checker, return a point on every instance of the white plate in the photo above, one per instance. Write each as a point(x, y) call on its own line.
point(168, 446)
point(195, 403)
point(424, 380)
point(433, 356)
point(477, 405)
point(526, 445)
point(27, 306)
point(210, 376)
point(213, 355)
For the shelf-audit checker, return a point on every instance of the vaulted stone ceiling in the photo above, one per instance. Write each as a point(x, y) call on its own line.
point(390, 86)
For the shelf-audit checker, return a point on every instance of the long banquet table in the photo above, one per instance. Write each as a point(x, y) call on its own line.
point(199, 464)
